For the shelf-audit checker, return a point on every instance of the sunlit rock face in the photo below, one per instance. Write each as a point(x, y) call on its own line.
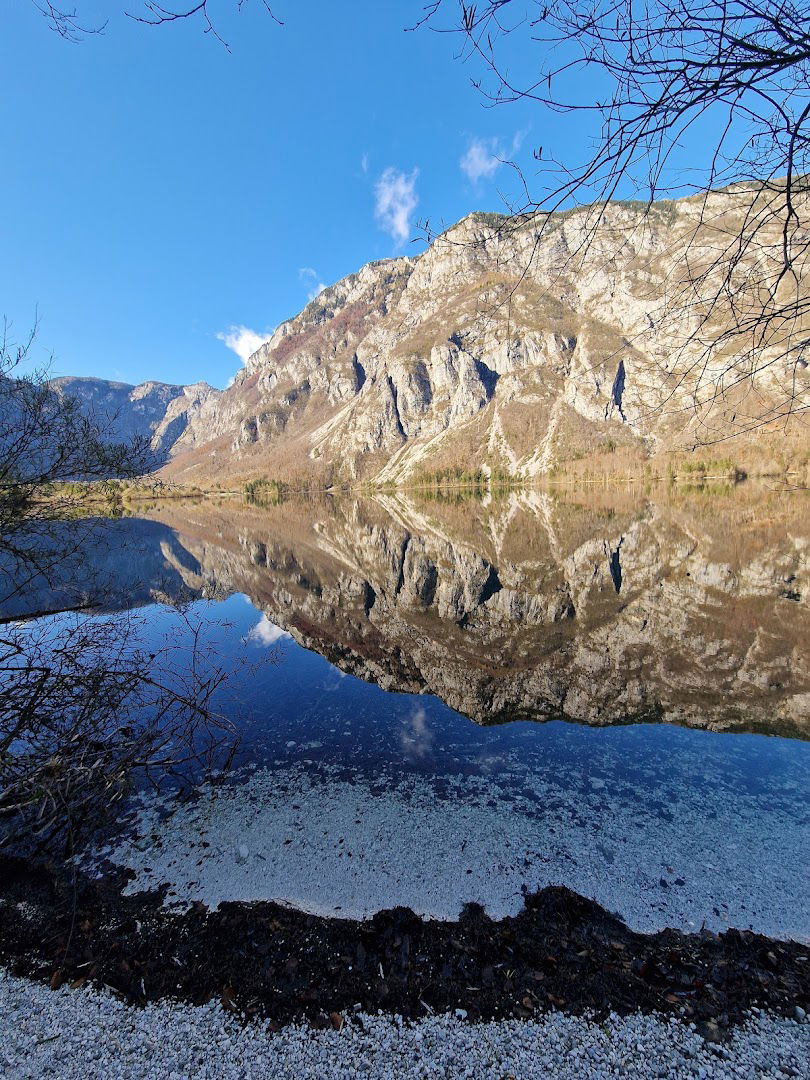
point(509, 346)
point(692, 610)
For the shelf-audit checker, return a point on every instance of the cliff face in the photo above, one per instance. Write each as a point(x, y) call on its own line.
point(513, 346)
point(152, 411)
point(510, 346)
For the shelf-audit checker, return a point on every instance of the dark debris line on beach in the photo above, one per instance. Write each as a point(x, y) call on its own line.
point(561, 952)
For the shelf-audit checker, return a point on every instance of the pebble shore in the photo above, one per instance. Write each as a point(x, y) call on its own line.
point(91, 1034)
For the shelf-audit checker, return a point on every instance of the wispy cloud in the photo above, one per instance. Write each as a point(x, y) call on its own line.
point(395, 202)
point(483, 157)
point(242, 340)
point(481, 160)
point(364, 164)
point(310, 278)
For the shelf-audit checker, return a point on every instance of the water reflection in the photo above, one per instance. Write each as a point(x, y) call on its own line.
point(361, 782)
point(690, 609)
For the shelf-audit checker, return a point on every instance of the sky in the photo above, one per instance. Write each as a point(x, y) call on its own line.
point(168, 201)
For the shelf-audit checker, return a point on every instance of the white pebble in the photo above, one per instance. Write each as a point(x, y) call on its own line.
point(90, 1035)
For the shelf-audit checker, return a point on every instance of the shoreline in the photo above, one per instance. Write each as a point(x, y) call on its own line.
point(90, 1035)
point(561, 953)
point(686, 481)
point(667, 847)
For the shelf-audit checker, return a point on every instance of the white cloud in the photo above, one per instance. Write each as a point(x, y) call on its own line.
point(364, 164)
point(483, 157)
point(310, 279)
point(395, 202)
point(481, 160)
point(242, 340)
point(416, 738)
point(265, 633)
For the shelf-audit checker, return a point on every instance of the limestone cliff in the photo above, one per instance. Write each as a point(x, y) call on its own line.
point(513, 346)
point(508, 345)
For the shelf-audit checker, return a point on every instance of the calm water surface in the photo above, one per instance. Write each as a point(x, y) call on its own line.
point(391, 662)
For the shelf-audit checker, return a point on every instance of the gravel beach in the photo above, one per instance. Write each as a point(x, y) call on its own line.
point(90, 1034)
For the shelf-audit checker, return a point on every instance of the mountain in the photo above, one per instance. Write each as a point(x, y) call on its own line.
point(153, 411)
point(511, 346)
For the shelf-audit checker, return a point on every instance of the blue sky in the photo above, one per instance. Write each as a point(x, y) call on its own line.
point(160, 192)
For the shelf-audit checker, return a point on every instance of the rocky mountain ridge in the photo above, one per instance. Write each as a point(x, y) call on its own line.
point(155, 412)
point(510, 346)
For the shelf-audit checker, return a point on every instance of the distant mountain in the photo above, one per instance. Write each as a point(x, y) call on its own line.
point(153, 411)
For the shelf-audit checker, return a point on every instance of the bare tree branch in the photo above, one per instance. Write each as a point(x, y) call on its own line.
point(66, 22)
point(652, 74)
point(84, 704)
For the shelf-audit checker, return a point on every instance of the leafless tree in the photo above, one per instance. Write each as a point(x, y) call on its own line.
point(734, 76)
point(85, 707)
point(84, 703)
point(47, 439)
point(68, 23)
point(53, 457)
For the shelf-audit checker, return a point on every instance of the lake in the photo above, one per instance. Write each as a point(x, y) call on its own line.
point(443, 701)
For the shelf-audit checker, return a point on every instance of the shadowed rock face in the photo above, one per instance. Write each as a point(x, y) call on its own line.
point(689, 610)
point(157, 413)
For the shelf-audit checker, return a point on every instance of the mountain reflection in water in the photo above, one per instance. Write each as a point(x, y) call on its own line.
point(610, 608)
